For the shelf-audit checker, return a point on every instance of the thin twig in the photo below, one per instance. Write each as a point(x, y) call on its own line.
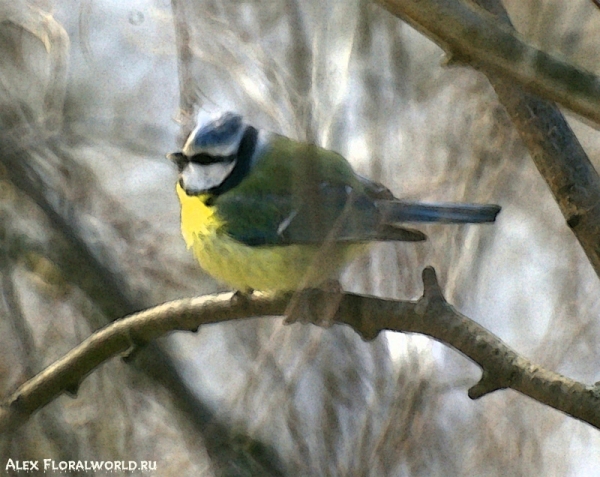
point(188, 97)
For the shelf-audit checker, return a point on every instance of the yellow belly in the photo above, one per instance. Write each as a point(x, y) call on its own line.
point(265, 268)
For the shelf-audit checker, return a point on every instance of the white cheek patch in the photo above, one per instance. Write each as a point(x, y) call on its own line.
point(198, 178)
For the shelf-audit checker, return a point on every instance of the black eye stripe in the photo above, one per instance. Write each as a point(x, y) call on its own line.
point(208, 159)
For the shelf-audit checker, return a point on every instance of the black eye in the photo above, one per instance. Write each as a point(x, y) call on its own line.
point(204, 159)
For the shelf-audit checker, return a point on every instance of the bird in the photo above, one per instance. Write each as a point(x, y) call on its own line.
point(263, 212)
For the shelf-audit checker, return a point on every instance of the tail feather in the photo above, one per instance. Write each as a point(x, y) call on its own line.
point(395, 211)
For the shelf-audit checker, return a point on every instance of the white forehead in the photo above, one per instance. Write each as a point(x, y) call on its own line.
point(216, 136)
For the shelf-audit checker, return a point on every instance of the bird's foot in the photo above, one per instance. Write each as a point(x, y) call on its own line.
point(242, 297)
point(318, 306)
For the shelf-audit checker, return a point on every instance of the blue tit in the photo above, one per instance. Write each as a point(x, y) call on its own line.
point(264, 212)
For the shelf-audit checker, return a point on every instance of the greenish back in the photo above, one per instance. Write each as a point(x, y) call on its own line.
point(303, 184)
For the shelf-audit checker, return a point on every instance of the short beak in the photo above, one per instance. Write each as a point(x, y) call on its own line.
point(179, 159)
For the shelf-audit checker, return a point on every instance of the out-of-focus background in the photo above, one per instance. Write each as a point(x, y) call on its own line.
point(89, 231)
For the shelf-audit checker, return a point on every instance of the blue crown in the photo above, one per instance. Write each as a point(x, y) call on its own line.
point(219, 137)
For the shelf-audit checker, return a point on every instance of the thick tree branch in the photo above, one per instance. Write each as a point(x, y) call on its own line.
point(472, 36)
point(486, 41)
point(431, 315)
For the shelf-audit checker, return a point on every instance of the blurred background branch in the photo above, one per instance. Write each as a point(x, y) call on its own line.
point(88, 212)
point(467, 34)
point(470, 36)
point(77, 250)
point(188, 97)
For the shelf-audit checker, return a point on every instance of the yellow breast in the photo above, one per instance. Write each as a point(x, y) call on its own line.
point(265, 268)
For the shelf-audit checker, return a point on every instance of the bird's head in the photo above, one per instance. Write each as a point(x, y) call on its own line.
point(212, 155)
